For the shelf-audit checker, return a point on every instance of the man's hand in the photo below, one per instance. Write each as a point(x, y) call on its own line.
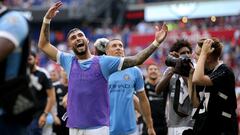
point(161, 33)
point(192, 69)
point(42, 120)
point(57, 120)
point(207, 47)
point(53, 10)
point(151, 131)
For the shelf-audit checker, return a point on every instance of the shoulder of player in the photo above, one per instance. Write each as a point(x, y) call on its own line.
point(13, 15)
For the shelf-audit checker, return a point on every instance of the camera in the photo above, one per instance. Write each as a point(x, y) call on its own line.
point(182, 64)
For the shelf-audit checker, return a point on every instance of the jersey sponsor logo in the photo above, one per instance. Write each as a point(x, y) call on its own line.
point(119, 87)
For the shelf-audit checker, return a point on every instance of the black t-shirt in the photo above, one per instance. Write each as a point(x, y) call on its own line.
point(61, 91)
point(40, 83)
point(222, 102)
point(222, 93)
point(157, 103)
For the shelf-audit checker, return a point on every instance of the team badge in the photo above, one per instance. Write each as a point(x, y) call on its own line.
point(126, 77)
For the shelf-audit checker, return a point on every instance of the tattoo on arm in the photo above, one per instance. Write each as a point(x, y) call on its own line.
point(128, 62)
point(47, 32)
point(139, 58)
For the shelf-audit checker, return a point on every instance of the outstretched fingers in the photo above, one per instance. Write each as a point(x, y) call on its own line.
point(54, 9)
point(58, 5)
point(164, 27)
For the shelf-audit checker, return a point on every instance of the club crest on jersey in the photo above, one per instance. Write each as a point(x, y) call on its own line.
point(126, 77)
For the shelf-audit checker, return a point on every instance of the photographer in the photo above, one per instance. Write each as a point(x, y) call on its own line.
point(218, 99)
point(174, 81)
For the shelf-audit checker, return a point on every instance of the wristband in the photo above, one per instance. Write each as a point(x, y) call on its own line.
point(155, 43)
point(47, 21)
point(45, 114)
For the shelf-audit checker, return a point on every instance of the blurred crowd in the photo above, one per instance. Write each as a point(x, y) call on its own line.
point(44, 3)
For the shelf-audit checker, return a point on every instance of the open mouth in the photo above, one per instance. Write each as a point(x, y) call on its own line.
point(80, 45)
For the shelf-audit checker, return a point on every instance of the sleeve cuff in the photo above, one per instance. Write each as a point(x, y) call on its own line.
point(58, 56)
point(120, 64)
point(10, 37)
point(140, 90)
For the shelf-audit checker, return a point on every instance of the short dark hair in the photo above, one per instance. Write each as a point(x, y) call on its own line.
point(217, 45)
point(152, 64)
point(71, 31)
point(180, 44)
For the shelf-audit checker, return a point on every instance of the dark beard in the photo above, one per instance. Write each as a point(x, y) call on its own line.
point(78, 53)
point(31, 66)
point(153, 79)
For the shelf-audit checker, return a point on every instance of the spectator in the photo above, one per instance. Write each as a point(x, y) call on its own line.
point(59, 79)
point(175, 83)
point(217, 111)
point(43, 90)
point(157, 101)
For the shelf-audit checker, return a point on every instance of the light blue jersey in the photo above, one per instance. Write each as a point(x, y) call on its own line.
point(108, 64)
point(14, 27)
point(122, 85)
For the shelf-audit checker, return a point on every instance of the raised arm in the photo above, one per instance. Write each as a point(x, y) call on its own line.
point(44, 42)
point(199, 78)
point(139, 58)
point(164, 81)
